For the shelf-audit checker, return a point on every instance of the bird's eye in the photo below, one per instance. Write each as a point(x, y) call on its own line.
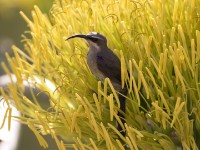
point(94, 39)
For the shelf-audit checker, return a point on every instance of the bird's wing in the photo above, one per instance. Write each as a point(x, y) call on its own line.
point(109, 64)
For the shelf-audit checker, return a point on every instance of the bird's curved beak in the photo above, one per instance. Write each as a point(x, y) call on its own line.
point(78, 35)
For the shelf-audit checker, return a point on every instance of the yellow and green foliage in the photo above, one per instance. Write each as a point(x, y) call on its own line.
point(157, 41)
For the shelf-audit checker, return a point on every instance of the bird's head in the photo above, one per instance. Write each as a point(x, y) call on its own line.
point(93, 38)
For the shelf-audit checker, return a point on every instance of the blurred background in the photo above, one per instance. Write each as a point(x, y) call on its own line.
point(12, 26)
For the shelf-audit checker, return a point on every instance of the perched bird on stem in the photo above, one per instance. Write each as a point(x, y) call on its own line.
point(103, 63)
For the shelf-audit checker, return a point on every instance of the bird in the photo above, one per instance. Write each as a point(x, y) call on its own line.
point(103, 63)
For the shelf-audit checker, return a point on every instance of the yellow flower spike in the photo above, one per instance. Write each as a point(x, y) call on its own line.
point(145, 43)
point(42, 121)
point(67, 115)
point(193, 54)
point(37, 26)
point(138, 50)
point(129, 143)
point(180, 30)
point(97, 103)
point(5, 97)
point(164, 41)
point(82, 146)
point(164, 101)
point(13, 89)
point(175, 64)
point(136, 92)
point(96, 129)
point(165, 55)
point(177, 103)
point(8, 116)
point(139, 77)
point(118, 133)
point(161, 116)
point(105, 89)
point(160, 64)
point(77, 130)
point(131, 77)
point(113, 91)
point(165, 116)
point(132, 137)
point(80, 99)
point(120, 145)
point(75, 147)
point(172, 35)
point(198, 46)
point(135, 65)
point(15, 69)
point(111, 103)
point(152, 78)
point(181, 58)
point(133, 141)
point(59, 143)
point(185, 145)
point(155, 28)
point(19, 62)
point(160, 75)
point(175, 12)
point(140, 65)
point(157, 110)
point(118, 120)
point(21, 54)
point(139, 134)
point(109, 144)
point(123, 69)
point(64, 120)
point(62, 145)
point(105, 96)
point(29, 22)
point(180, 77)
point(73, 124)
point(157, 45)
point(146, 87)
point(87, 112)
point(41, 140)
point(89, 105)
point(177, 110)
point(7, 71)
point(93, 144)
point(40, 15)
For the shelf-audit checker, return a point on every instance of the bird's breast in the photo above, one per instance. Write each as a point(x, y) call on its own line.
point(92, 63)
